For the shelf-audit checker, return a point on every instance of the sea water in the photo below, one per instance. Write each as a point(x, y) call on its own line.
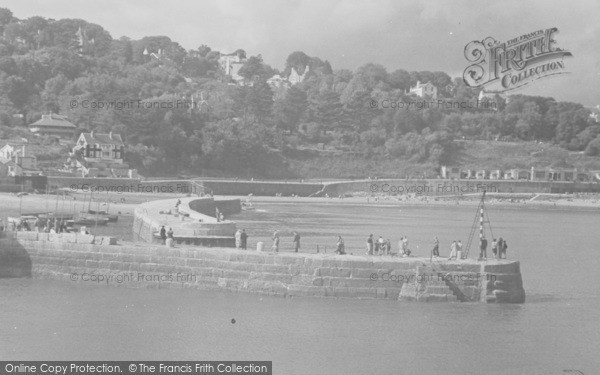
point(557, 329)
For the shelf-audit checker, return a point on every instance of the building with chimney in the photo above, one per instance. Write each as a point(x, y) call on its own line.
point(17, 162)
point(295, 77)
point(101, 147)
point(231, 64)
point(424, 90)
point(53, 125)
point(99, 155)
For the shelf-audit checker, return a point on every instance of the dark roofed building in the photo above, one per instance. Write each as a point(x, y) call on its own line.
point(98, 147)
point(53, 125)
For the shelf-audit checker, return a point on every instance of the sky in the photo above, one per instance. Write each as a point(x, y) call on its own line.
point(398, 34)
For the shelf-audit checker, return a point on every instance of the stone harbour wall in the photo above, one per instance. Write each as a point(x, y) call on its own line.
point(191, 221)
point(439, 187)
point(70, 257)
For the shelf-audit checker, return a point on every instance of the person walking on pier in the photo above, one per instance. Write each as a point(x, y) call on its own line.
point(379, 246)
point(436, 248)
point(453, 250)
point(405, 250)
point(170, 238)
point(483, 248)
point(388, 247)
point(495, 248)
point(244, 239)
point(340, 247)
point(370, 244)
point(459, 253)
point(296, 242)
point(163, 235)
point(275, 247)
point(502, 248)
point(238, 239)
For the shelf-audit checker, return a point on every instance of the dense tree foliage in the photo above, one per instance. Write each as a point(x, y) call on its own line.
point(215, 126)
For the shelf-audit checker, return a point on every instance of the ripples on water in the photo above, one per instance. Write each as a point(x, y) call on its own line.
point(557, 328)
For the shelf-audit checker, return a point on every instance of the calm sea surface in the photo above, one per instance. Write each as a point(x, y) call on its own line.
point(557, 329)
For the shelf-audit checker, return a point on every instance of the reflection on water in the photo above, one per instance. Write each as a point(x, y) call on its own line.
point(557, 328)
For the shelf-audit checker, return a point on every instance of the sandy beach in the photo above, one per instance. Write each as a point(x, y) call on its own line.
point(498, 200)
point(125, 203)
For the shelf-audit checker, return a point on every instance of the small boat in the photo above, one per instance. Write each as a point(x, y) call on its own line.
point(45, 217)
point(111, 218)
point(17, 220)
point(88, 221)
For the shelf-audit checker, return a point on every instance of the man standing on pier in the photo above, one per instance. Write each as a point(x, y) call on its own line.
point(296, 242)
point(244, 239)
point(163, 234)
point(453, 249)
point(238, 239)
point(275, 247)
point(436, 247)
point(483, 248)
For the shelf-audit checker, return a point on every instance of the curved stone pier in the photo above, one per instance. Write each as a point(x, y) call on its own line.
point(60, 256)
point(192, 221)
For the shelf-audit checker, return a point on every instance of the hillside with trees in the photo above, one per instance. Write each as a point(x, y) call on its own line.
point(325, 126)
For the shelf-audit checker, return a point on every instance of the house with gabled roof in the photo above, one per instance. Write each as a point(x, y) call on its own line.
point(424, 90)
point(99, 155)
point(53, 125)
point(100, 147)
point(17, 162)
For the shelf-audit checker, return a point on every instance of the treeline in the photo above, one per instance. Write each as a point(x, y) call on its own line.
point(250, 129)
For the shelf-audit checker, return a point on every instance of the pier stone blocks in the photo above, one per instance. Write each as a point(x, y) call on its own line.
point(56, 256)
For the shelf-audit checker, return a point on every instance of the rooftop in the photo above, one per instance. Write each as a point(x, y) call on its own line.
point(54, 120)
point(110, 138)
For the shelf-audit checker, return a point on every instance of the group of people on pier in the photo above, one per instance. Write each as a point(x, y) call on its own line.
point(499, 247)
point(381, 246)
point(51, 225)
point(241, 239)
point(384, 246)
point(166, 236)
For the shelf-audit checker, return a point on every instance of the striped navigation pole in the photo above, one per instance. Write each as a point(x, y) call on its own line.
point(479, 219)
point(481, 216)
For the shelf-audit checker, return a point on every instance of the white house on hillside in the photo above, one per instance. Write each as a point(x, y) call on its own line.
point(296, 77)
point(97, 147)
point(424, 90)
point(17, 162)
point(99, 155)
point(231, 64)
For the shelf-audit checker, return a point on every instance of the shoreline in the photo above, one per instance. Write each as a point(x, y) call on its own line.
point(496, 200)
point(125, 203)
